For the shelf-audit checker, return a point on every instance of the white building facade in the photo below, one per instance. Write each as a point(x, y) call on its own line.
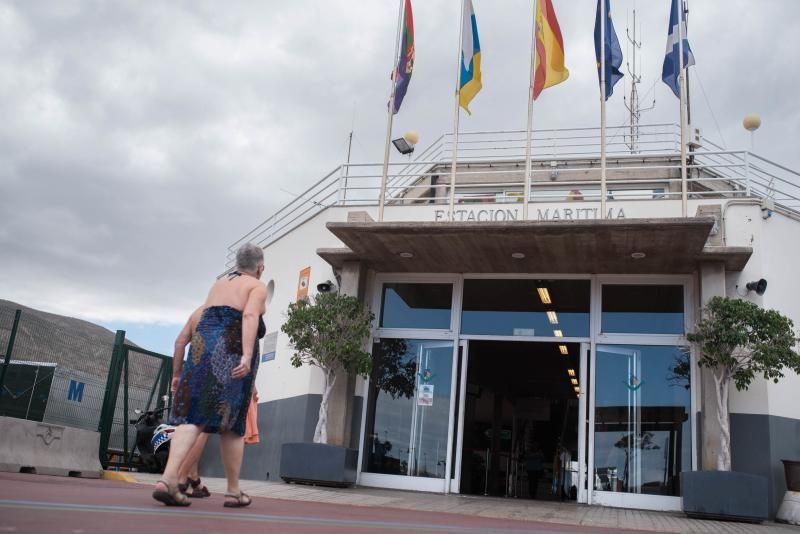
point(533, 344)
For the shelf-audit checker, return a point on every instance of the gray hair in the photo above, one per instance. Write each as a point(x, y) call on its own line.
point(249, 257)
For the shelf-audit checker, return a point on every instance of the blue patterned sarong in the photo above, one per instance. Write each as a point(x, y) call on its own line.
point(208, 396)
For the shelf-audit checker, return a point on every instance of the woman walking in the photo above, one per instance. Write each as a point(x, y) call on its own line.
point(216, 384)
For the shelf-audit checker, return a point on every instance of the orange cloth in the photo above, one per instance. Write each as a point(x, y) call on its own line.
point(251, 422)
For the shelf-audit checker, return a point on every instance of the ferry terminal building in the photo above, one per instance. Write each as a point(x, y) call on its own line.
point(535, 345)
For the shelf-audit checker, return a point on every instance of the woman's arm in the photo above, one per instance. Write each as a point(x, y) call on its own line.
point(183, 339)
point(252, 311)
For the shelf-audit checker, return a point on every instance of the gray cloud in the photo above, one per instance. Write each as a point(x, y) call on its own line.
point(140, 138)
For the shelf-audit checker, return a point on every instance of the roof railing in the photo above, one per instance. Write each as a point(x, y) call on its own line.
point(498, 158)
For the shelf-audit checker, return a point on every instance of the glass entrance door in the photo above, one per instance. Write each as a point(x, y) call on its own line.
point(407, 434)
point(642, 425)
point(521, 420)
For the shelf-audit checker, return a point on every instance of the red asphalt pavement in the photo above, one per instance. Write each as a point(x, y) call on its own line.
point(54, 505)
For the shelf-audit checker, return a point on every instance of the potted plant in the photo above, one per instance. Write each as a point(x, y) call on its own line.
point(328, 332)
point(737, 341)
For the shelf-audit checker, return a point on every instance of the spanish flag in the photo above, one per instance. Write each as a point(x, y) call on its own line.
point(550, 69)
point(470, 79)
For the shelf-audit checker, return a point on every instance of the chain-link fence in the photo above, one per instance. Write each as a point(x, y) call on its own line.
point(52, 374)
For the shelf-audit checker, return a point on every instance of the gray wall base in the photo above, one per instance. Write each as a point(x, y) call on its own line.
point(282, 421)
point(759, 443)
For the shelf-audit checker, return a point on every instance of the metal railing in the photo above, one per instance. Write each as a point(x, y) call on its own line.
point(491, 168)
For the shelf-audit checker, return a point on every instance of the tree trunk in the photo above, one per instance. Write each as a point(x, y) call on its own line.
point(321, 431)
point(723, 417)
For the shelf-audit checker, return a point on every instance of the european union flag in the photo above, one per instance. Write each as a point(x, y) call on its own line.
point(671, 69)
point(613, 51)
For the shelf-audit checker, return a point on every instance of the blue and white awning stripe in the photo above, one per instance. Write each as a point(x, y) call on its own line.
point(671, 71)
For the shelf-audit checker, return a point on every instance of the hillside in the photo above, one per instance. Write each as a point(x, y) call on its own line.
point(48, 337)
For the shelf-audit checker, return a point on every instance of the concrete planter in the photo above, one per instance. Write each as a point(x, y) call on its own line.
point(725, 495)
point(318, 463)
point(791, 470)
point(789, 511)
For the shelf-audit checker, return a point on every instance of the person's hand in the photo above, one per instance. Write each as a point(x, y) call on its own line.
point(241, 370)
point(174, 386)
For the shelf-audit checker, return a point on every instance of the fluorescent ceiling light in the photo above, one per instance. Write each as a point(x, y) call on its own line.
point(558, 333)
point(577, 389)
point(574, 381)
point(571, 372)
point(544, 295)
point(552, 317)
point(563, 349)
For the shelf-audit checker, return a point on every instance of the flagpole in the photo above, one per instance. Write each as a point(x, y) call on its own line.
point(527, 193)
point(456, 118)
point(390, 116)
point(684, 194)
point(603, 194)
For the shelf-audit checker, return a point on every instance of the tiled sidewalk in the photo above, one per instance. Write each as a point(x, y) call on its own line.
point(554, 512)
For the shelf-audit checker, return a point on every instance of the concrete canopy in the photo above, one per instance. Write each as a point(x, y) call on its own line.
point(588, 246)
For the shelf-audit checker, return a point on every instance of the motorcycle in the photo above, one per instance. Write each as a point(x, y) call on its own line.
point(152, 439)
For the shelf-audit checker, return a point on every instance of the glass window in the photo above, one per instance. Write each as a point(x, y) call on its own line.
point(642, 420)
point(642, 309)
point(526, 308)
point(416, 305)
point(408, 408)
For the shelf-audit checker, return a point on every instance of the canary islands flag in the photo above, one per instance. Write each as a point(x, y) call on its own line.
point(470, 81)
point(550, 69)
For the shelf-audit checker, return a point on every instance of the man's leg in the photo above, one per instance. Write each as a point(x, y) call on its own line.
point(189, 466)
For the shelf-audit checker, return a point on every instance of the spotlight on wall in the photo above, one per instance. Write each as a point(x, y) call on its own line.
point(325, 287)
point(759, 286)
point(405, 144)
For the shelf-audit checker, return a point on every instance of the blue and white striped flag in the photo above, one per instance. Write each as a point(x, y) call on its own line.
point(671, 70)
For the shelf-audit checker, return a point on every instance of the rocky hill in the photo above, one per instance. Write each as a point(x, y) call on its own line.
point(50, 338)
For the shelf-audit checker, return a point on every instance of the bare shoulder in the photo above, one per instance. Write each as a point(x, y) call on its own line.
point(258, 289)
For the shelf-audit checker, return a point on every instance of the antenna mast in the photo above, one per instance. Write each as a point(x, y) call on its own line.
point(632, 102)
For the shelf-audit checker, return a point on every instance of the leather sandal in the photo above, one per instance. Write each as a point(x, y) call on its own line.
point(170, 497)
point(199, 490)
point(239, 502)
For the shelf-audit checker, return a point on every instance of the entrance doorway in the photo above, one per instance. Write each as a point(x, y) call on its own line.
point(520, 426)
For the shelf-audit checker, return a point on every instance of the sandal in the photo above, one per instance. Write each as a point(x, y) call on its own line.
point(238, 503)
point(199, 490)
point(170, 497)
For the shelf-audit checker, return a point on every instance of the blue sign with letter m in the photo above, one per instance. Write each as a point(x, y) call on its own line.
point(75, 392)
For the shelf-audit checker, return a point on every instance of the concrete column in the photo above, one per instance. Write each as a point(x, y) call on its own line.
point(340, 408)
point(712, 284)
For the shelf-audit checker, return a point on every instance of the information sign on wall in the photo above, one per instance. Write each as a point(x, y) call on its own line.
point(270, 345)
point(302, 283)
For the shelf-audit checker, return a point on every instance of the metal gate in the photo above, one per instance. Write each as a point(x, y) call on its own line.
point(138, 379)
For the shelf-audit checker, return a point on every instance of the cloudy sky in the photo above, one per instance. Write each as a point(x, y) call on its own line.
point(139, 139)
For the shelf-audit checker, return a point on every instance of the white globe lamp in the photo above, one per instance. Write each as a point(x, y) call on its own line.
point(751, 123)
